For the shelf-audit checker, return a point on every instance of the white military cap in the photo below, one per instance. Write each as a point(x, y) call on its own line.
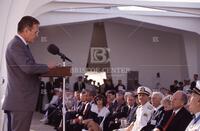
point(196, 89)
point(144, 90)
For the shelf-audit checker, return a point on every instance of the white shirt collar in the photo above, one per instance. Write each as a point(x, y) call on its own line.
point(130, 106)
point(22, 39)
point(176, 111)
point(158, 107)
point(197, 114)
point(113, 101)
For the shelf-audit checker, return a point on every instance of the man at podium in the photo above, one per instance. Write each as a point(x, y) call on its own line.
point(23, 77)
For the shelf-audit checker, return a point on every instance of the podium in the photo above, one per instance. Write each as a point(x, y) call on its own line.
point(58, 72)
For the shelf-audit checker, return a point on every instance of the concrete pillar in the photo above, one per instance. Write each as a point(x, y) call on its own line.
point(191, 41)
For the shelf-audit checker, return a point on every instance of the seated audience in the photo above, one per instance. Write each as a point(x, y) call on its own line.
point(178, 118)
point(131, 111)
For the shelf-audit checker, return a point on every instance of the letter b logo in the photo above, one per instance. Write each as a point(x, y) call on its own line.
point(99, 55)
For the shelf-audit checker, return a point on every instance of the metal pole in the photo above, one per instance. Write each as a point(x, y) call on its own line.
point(63, 108)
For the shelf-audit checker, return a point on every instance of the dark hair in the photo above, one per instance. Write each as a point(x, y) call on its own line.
point(101, 97)
point(91, 93)
point(83, 92)
point(113, 92)
point(27, 21)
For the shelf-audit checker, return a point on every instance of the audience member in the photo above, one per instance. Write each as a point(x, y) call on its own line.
point(50, 88)
point(194, 108)
point(144, 111)
point(167, 103)
point(120, 86)
point(174, 87)
point(186, 86)
point(132, 107)
point(156, 99)
point(178, 118)
point(193, 84)
point(79, 85)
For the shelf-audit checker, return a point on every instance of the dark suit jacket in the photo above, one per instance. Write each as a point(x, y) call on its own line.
point(193, 84)
point(23, 82)
point(113, 106)
point(78, 112)
point(180, 121)
point(120, 111)
point(173, 88)
point(154, 120)
point(132, 115)
point(76, 87)
point(50, 89)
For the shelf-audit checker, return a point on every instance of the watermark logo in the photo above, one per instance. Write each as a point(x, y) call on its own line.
point(99, 55)
point(155, 39)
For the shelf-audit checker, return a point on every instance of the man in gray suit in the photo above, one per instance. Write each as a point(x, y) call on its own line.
point(23, 76)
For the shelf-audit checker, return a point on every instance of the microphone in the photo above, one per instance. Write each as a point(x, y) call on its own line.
point(53, 49)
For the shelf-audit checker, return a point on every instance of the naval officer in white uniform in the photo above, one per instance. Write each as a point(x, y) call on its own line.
point(194, 108)
point(144, 111)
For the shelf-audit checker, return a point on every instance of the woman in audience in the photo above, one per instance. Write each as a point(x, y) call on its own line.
point(99, 111)
point(167, 103)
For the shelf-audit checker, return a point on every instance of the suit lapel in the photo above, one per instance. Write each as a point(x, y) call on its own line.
point(177, 117)
point(23, 45)
point(158, 112)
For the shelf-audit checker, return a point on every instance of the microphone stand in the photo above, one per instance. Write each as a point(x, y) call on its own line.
point(63, 102)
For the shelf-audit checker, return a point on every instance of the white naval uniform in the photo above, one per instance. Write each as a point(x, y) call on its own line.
point(192, 126)
point(143, 115)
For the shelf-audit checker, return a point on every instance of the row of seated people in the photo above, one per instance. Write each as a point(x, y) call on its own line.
point(126, 112)
point(47, 90)
point(88, 105)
